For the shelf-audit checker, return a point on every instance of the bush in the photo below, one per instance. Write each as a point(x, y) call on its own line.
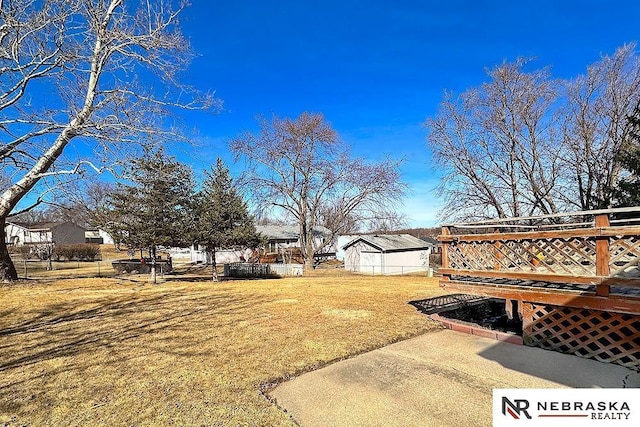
point(24, 251)
point(79, 252)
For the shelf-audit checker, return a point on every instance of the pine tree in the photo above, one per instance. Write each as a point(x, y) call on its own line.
point(154, 208)
point(627, 192)
point(223, 220)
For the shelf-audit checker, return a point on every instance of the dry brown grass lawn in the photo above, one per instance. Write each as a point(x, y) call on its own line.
point(122, 352)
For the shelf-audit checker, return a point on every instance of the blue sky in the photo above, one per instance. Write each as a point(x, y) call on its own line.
point(377, 69)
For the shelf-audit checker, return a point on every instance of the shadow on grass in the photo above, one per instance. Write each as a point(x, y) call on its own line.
point(64, 330)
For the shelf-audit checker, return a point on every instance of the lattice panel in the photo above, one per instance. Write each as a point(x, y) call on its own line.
point(573, 256)
point(624, 256)
point(604, 336)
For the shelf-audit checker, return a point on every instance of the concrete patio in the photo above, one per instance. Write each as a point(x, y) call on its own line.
point(444, 378)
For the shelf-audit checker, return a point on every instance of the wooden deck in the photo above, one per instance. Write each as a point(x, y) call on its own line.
point(573, 279)
point(594, 262)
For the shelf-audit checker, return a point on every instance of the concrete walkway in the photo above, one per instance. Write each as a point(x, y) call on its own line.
point(444, 378)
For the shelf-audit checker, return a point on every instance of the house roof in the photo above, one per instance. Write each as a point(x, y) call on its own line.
point(289, 232)
point(391, 242)
point(430, 240)
point(40, 226)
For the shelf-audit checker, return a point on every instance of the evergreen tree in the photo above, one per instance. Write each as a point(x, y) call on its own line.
point(627, 192)
point(223, 220)
point(154, 208)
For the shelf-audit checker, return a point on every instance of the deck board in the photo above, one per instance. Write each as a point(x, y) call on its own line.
point(621, 299)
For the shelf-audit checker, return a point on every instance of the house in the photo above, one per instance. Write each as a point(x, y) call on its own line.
point(433, 243)
point(386, 254)
point(62, 233)
point(281, 237)
point(197, 254)
point(282, 244)
point(95, 235)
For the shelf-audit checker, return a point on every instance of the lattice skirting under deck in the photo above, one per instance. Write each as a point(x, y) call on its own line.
point(604, 336)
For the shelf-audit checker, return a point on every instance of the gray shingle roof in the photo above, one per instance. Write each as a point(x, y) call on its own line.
point(39, 226)
point(392, 242)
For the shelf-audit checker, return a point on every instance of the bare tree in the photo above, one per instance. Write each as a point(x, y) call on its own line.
point(102, 75)
point(596, 129)
point(301, 167)
point(497, 146)
point(525, 144)
point(84, 202)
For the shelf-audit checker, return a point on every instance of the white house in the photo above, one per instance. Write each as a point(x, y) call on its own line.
point(62, 233)
point(387, 254)
point(96, 235)
point(106, 237)
point(223, 256)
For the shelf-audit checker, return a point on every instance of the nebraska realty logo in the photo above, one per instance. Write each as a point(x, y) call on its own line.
point(568, 407)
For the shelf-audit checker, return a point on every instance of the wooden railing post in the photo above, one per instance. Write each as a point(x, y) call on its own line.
point(498, 253)
point(445, 253)
point(602, 255)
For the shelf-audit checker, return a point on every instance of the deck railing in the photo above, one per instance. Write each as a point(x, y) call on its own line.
point(600, 248)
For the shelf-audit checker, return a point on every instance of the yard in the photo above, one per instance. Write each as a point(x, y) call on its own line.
point(110, 351)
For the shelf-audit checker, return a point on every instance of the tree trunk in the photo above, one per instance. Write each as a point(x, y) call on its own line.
point(7, 269)
point(306, 244)
point(214, 266)
point(152, 254)
point(308, 251)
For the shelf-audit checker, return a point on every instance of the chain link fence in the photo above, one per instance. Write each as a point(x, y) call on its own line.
point(34, 268)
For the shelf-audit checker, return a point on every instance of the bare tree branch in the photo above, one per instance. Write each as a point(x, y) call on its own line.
point(88, 57)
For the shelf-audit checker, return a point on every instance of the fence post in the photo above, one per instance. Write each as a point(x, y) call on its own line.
point(602, 255)
point(25, 269)
point(445, 255)
point(98, 268)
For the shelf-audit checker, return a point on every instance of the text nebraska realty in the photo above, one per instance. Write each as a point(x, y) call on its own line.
point(597, 410)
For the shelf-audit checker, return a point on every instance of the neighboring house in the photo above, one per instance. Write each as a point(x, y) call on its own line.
point(386, 254)
point(433, 243)
point(281, 237)
point(223, 256)
point(106, 237)
point(96, 235)
point(61, 233)
point(92, 235)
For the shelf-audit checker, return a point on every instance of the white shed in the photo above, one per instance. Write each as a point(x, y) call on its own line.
point(342, 242)
point(387, 254)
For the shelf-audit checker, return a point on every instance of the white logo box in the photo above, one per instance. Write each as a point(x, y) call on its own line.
point(566, 407)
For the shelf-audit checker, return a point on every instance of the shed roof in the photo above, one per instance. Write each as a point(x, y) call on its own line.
point(391, 242)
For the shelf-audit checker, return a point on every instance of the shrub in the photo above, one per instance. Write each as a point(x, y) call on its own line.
point(79, 252)
point(24, 251)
